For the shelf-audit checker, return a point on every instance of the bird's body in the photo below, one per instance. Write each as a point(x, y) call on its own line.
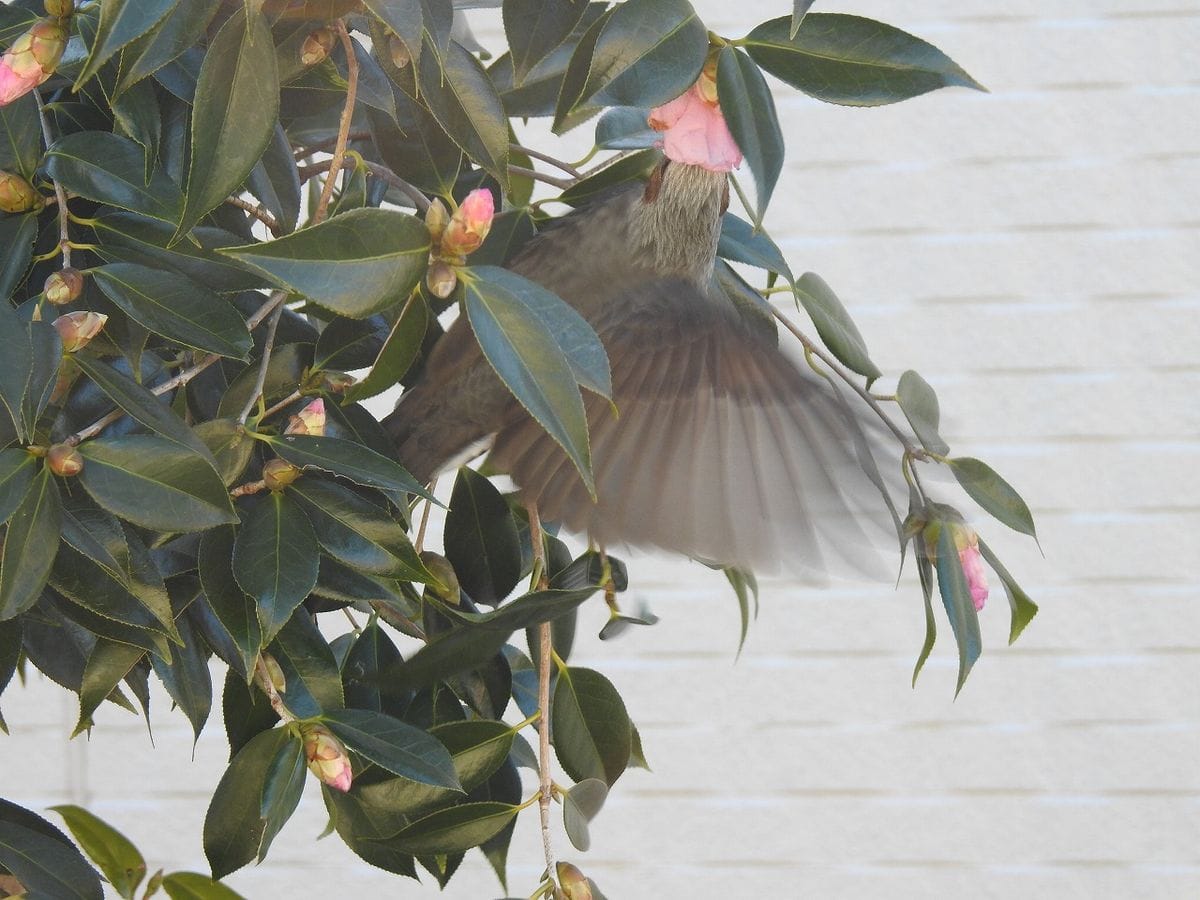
point(721, 448)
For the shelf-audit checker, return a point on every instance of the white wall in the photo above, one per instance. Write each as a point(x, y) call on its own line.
point(1035, 253)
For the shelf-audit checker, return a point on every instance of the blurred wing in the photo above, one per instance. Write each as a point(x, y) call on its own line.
point(720, 448)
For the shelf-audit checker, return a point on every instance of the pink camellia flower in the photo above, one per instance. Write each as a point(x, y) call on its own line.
point(310, 420)
point(470, 224)
point(327, 757)
point(76, 329)
point(694, 130)
point(31, 59)
point(967, 542)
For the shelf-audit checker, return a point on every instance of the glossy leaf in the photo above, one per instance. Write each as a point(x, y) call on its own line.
point(479, 747)
point(314, 683)
point(117, 858)
point(960, 609)
point(121, 22)
point(837, 330)
point(281, 791)
point(17, 234)
point(182, 27)
point(194, 886)
point(1023, 608)
point(175, 307)
point(526, 356)
point(16, 350)
point(21, 147)
point(455, 829)
point(925, 572)
point(186, 676)
point(993, 493)
point(799, 9)
point(45, 867)
point(30, 544)
point(275, 181)
point(371, 653)
point(229, 444)
point(17, 469)
point(581, 804)
point(404, 18)
point(739, 242)
point(107, 664)
point(415, 144)
point(111, 169)
point(351, 460)
point(275, 559)
point(568, 110)
point(400, 350)
point(535, 27)
point(481, 539)
point(394, 745)
point(529, 609)
point(591, 729)
point(154, 483)
point(749, 111)
point(233, 119)
point(234, 609)
point(625, 128)
point(851, 60)
point(919, 404)
point(354, 264)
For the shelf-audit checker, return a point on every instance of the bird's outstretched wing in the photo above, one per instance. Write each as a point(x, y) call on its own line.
point(721, 447)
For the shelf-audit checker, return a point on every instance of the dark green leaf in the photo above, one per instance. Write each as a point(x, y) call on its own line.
point(625, 128)
point(479, 747)
point(581, 804)
point(510, 232)
point(993, 493)
point(404, 18)
point(17, 234)
point(920, 406)
point(284, 372)
point(175, 307)
point(234, 827)
point(745, 586)
point(233, 608)
point(44, 867)
point(233, 120)
point(394, 745)
point(351, 460)
point(535, 27)
point(17, 468)
point(569, 111)
point(313, 681)
point(371, 653)
point(30, 545)
point(16, 350)
point(275, 181)
point(526, 356)
point(650, 51)
point(136, 115)
point(154, 483)
point(182, 28)
point(20, 137)
point(749, 111)
point(117, 858)
point(834, 325)
point(399, 351)
point(347, 344)
point(591, 729)
point(529, 609)
point(741, 243)
point(281, 791)
point(10, 654)
point(419, 147)
point(458, 651)
point(960, 609)
point(455, 829)
point(481, 539)
point(576, 338)
point(47, 360)
point(634, 167)
point(186, 676)
point(107, 664)
point(121, 22)
point(464, 101)
point(1023, 608)
point(231, 447)
point(275, 559)
point(851, 60)
point(356, 532)
point(193, 886)
point(925, 571)
point(354, 264)
point(799, 9)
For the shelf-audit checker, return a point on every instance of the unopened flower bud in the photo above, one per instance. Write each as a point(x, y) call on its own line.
point(470, 224)
point(278, 474)
point(440, 279)
point(446, 587)
point(16, 194)
point(326, 755)
point(31, 59)
point(574, 884)
point(60, 9)
point(63, 286)
point(310, 420)
point(317, 46)
point(64, 460)
point(274, 672)
point(436, 219)
point(398, 51)
point(967, 543)
point(337, 382)
point(76, 329)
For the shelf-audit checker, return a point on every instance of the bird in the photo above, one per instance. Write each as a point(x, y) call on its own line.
point(722, 446)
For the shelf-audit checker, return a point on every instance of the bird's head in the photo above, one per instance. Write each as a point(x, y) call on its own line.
point(678, 220)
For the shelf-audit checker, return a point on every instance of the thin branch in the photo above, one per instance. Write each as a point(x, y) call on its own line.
point(339, 149)
point(286, 401)
point(561, 183)
point(546, 158)
point(262, 677)
point(64, 233)
point(420, 201)
point(327, 145)
point(257, 211)
point(545, 652)
point(274, 301)
point(420, 542)
point(261, 380)
point(820, 352)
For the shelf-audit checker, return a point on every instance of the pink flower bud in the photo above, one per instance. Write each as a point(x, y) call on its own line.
point(327, 757)
point(967, 543)
point(317, 46)
point(31, 59)
point(694, 131)
point(76, 329)
point(572, 882)
point(310, 420)
point(470, 224)
point(63, 286)
point(64, 460)
point(440, 279)
point(16, 194)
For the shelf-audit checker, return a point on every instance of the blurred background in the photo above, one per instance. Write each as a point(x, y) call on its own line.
point(1035, 254)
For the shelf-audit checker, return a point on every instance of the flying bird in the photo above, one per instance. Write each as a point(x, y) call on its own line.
point(722, 447)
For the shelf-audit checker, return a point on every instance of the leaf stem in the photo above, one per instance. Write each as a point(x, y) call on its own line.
point(339, 149)
point(561, 183)
point(64, 234)
point(546, 158)
point(420, 201)
point(545, 650)
point(286, 401)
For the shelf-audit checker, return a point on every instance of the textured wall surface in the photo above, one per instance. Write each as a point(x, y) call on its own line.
point(1035, 253)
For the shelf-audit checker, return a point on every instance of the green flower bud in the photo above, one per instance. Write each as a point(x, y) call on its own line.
point(17, 195)
point(278, 474)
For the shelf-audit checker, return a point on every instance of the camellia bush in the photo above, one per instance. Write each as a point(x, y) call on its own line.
point(213, 211)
